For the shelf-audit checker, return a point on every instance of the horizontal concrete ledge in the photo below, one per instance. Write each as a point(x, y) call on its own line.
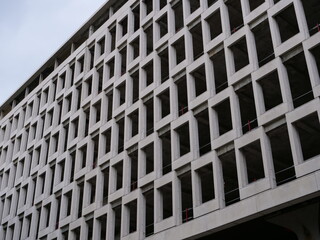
point(299, 190)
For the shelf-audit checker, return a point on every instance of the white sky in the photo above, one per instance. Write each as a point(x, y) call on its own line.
point(33, 30)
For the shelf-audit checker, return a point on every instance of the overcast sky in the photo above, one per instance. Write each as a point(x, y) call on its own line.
point(31, 31)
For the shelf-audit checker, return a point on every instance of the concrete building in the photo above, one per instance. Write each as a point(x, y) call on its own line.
point(170, 119)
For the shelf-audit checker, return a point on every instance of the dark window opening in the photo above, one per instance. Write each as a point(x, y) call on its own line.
point(55, 142)
point(149, 39)
point(148, 6)
point(48, 71)
point(163, 3)
point(72, 69)
point(100, 79)
point(135, 47)
point(148, 153)
point(178, 16)
point(247, 108)
point(164, 59)
point(124, 26)
point(110, 66)
point(255, 3)
point(79, 91)
point(135, 86)
point(299, 80)
point(119, 174)
point(271, 90)
point(287, 23)
point(88, 84)
point(235, 15)
point(179, 47)
point(164, 98)
point(96, 141)
point(308, 129)
point(181, 86)
point(223, 111)
point(59, 112)
point(166, 198)
point(132, 216)
point(205, 174)
point(81, 64)
point(230, 177)
point(220, 71)
point(97, 110)
point(68, 102)
point(264, 46)
point(47, 210)
point(92, 187)
point(62, 79)
point(203, 132)
point(72, 165)
point(76, 232)
point(113, 38)
point(311, 10)
point(211, 2)
point(122, 93)
point(197, 41)
point(163, 25)
point(214, 22)
point(186, 197)
point(136, 13)
point(184, 139)
point(134, 120)
point(103, 227)
point(240, 54)
point(38, 210)
point(110, 105)
point(281, 155)
point(61, 167)
point(148, 71)
point(149, 218)
point(149, 109)
point(194, 5)
point(83, 153)
point(107, 140)
point(120, 124)
point(316, 56)
point(123, 54)
point(134, 170)
point(91, 57)
point(199, 78)
point(105, 193)
point(69, 200)
point(253, 161)
point(87, 117)
point(80, 199)
point(102, 46)
point(117, 223)
point(166, 152)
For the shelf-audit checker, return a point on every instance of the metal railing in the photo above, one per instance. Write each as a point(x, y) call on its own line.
point(149, 230)
point(250, 125)
point(236, 28)
point(183, 110)
point(266, 59)
point(286, 171)
point(315, 29)
point(187, 215)
point(234, 199)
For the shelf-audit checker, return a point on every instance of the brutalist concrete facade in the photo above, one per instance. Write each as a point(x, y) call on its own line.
point(168, 119)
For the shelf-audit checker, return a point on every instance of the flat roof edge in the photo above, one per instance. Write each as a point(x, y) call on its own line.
point(98, 13)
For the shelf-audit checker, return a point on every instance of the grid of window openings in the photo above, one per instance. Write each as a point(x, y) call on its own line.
point(167, 112)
